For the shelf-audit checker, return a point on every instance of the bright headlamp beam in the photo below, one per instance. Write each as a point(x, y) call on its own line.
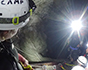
point(76, 25)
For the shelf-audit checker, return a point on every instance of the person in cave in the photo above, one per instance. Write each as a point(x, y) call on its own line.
point(82, 64)
point(74, 47)
point(11, 19)
point(77, 45)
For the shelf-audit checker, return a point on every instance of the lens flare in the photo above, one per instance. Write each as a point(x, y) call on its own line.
point(76, 25)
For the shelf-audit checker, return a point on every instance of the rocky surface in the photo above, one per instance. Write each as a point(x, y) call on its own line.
point(31, 39)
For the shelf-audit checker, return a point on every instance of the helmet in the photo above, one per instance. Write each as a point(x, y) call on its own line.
point(77, 67)
point(14, 14)
point(82, 60)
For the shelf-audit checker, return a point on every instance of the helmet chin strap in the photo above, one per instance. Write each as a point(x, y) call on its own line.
point(3, 38)
point(7, 34)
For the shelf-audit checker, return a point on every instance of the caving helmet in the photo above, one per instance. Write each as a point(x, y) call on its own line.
point(14, 14)
point(82, 60)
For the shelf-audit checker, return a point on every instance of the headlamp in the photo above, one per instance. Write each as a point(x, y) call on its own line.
point(76, 25)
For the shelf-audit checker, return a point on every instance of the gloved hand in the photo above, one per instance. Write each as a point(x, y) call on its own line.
point(26, 66)
point(26, 63)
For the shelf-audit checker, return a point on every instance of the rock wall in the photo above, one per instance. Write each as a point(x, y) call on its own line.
point(31, 39)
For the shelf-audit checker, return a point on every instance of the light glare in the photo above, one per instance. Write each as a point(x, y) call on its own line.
point(76, 25)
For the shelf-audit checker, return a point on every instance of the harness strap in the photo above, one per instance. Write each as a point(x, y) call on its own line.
point(10, 55)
